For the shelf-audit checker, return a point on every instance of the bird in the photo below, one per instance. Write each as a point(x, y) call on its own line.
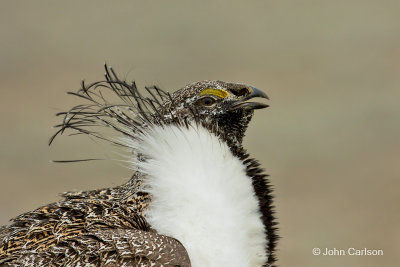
point(196, 197)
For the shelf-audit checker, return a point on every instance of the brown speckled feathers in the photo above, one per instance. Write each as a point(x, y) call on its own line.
point(93, 228)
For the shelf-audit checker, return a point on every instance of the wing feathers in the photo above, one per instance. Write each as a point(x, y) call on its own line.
point(110, 247)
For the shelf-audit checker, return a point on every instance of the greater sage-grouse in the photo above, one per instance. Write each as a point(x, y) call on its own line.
point(196, 198)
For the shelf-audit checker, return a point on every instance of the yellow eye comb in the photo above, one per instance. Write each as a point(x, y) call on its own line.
point(217, 92)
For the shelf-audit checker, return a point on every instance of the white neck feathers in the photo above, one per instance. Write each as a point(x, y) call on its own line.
point(201, 196)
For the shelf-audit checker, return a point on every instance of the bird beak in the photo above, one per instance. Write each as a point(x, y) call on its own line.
point(254, 92)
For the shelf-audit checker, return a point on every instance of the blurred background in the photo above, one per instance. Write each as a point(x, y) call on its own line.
point(330, 140)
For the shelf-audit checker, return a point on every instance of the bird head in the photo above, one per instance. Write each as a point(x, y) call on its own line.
point(224, 107)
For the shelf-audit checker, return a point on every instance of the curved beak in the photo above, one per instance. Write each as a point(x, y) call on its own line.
point(253, 92)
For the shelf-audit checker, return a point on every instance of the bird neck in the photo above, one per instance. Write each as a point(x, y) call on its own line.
point(230, 127)
point(202, 196)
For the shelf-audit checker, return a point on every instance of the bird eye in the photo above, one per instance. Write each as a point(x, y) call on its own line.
point(206, 101)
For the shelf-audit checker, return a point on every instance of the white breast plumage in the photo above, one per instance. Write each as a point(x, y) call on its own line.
point(201, 196)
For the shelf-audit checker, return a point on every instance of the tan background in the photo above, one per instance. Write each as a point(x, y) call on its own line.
point(330, 140)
